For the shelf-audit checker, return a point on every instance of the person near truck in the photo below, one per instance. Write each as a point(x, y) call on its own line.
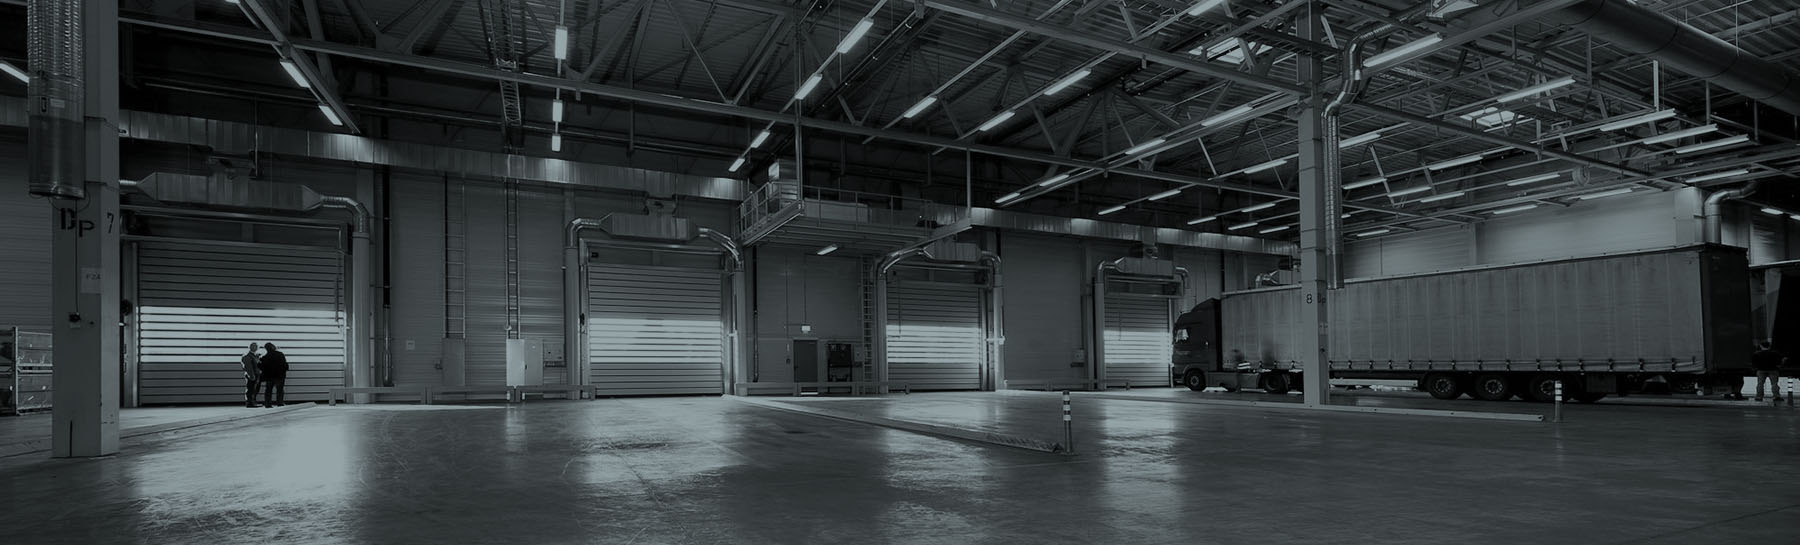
point(1767, 363)
point(252, 375)
point(274, 376)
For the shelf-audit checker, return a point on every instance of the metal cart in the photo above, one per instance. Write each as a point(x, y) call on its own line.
point(24, 371)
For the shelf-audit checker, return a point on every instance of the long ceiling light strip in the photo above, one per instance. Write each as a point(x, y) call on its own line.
point(1258, 208)
point(1533, 179)
point(1538, 89)
point(1509, 210)
point(1113, 209)
point(293, 71)
point(1360, 139)
point(919, 107)
point(1375, 232)
point(1072, 79)
point(1365, 183)
point(1450, 163)
point(1203, 7)
point(1164, 195)
point(1608, 193)
point(996, 120)
point(1402, 51)
point(1053, 180)
point(1146, 146)
point(1677, 135)
point(1197, 221)
point(1409, 191)
point(856, 35)
point(1718, 176)
point(1636, 120)
point(1715, 144)
point(1443, 196)
point(1242, 226)
point(1275, 229)
point(15, 72)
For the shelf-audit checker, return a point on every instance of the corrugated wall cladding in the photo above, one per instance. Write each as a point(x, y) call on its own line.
point(1137, 336)
point(1427, 251)
point(655, 330)
point(417, 258)
point(796, 287)
point(935, 338)
point(1614, 224)
point(541, 233)
point(1044, 278)
point(486, 217)
point(1624, 308)
point(25, 267)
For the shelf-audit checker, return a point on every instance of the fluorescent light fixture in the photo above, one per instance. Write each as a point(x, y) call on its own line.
point(737, 164)
point(1409, 191)
point(1636, 120)
point(1607, 193)
point(1375, 232)
point(1165, 194)
point(556, 110)
point(555, 141)
point(1534, 179)
point(293, 71)
point(1684, 133)
point(807, 88)
point(1275, 229)
point(1717, 175)
point(1242, 226)
point(1230, 51)
point(1053, 180)
point(1198, 221)
point(1363, 138)
point(827, 250)
point(1265, 166)
point(1365, 183)
point(1509, 210)
point(1443, 196)
point(1140, 148)
point(1259, 207)
point(1735, 140)
point(562, 43)
point(1070, 80)
point(1113, 209)
point(760, 138)
point(1226, 116)
point(1540, 88)
point(1404, 50)
point(1203, 6)
point(1796, 217)
point(330, 115)
point(1457, 162)
point(995, 121)
point(1350, 213)
point(1772, 211)
point(1007, 197)
point(856, 35)
point(919, 107)
point(15, 72)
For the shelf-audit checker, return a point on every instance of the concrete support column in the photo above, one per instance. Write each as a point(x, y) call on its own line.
point(85, 261)
point(1314, 318)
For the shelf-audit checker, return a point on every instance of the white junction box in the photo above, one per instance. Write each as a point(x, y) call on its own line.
point(524, 362)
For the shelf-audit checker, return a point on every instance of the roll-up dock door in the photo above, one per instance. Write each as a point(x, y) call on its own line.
point(655, 330)
point(201, 305)
point(935, 339)
point(1138, 337)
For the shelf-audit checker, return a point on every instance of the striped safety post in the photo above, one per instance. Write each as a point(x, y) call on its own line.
point(1068, 426)
point(1559, 400)
point(1790, 390)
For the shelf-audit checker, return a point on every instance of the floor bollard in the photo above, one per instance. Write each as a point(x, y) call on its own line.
point(1790, 390)
point(1559, 400)
point(1068, 426)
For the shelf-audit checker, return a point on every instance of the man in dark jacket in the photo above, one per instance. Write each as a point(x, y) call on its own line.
point(1767, 363)
point(274, 376)
point(252, 374)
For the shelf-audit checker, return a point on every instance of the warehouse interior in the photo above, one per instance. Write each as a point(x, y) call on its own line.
point(923, 271)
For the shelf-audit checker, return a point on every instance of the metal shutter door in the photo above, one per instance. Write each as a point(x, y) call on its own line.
point(934, 336)
point(654, 330)
point(1137, 340)
point(200, 305)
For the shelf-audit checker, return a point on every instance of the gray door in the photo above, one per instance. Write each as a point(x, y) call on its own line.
point(200, 305)
point(1137, 343)
point(935, 339)
point(806, 360)
point(655, 330)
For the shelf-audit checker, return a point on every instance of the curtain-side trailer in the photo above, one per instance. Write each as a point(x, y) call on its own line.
point(1677, 318)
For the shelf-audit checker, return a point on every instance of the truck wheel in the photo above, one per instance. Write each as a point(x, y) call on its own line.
point(1194, 380)
point(1492, 388)
point(1442, 385)
point(1275, 383)
point(1542, 388)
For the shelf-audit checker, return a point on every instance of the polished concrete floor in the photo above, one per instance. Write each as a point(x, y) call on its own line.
point(713, 470)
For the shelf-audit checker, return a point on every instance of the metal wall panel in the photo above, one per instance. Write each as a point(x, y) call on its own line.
point(1648, 220)
point(200, 305)
point(416, 308)
point(1425, 251)
point(541, 229)
point(935, 339)
point(1595, 314)
point(486, 345)
point(1044, 279)
point(1137, 340)
point(25, 248)
point(798, 288)
point(655, 330)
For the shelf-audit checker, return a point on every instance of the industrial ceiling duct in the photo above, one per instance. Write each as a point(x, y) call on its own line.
point(1684, 48)
point(57, 91)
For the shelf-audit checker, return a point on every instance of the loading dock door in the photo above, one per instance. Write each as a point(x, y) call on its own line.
point(935, 339)
point(655, 330)
point(200, 305)
point(1138, 336)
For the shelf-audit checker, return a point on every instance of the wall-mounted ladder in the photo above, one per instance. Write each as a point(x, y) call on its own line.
point(456, 324)
point(512, 259)
point(867, 266)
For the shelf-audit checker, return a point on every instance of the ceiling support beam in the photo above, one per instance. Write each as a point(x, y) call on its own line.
point(321, 86)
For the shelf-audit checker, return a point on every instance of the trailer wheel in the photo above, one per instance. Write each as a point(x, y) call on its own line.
point(1492, 388)
point(1542, 388)
point(1194, 380)
point(1276, 383)
point(1442, 385)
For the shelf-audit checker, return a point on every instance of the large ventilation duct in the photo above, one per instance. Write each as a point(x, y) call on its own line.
point(1711, 232)
point(58, 147)
point(1684, 48)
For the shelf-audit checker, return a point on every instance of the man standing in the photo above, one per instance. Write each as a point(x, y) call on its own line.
point(1767, 363)
point(274, 376)
point(251, 375)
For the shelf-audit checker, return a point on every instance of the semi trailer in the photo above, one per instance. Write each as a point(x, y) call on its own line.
point(1676, 319)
